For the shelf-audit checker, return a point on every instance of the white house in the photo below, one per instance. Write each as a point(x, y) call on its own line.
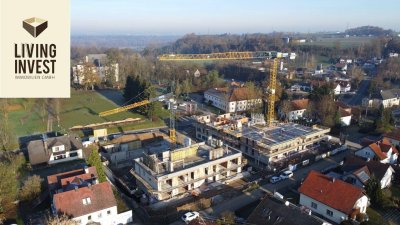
point(234, 100)
point(332, 198)
point(54, 150)
point(390, 98)
point(341, 87)
point(79, 195)
point(298, 108)
point(382, 151)
point(358, 171)
point(344, 112)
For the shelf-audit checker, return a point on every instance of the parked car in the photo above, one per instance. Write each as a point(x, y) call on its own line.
point(275, 179)
point(287, 174)
point(189, 216)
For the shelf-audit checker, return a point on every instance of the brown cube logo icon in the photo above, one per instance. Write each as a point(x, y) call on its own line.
point(34, 26)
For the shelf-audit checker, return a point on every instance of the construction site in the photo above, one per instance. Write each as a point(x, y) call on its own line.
point(260, 143)
point(186, 170)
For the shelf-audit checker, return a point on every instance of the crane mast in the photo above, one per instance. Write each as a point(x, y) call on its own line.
point(271, 92)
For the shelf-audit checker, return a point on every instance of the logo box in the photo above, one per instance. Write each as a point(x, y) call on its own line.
point(34, 26)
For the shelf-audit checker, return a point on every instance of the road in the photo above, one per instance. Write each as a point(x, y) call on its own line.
point(361, 93)
point(282, 187)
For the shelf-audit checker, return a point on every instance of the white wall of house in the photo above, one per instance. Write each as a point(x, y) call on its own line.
point(387, 178)
point(66, 157)
point(345, 121)
point(321, 209)
point(387, 103)
point(105, 217)
point(296, 114)
point(336, 90)
point(368, 153)
point(231, 106)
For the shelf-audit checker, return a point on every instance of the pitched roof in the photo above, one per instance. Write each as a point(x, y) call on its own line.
point(335, 193)
point(354, 164)
point(344, 113)
point(39, 151)
point(389, 94)
point(300, 104)
point(55, 181)
point(271, 210)
point(342, 105)
point(235, 94)
point(71, 202)
point(380, 148)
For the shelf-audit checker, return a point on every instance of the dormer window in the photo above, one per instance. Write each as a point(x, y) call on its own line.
point(86, 201)
point(59, 148)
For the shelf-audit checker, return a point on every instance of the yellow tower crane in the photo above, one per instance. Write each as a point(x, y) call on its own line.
point(169, 97)
point(237, 56)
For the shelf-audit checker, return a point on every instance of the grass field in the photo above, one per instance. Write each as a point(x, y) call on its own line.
point(350, 42)
point(81, 109)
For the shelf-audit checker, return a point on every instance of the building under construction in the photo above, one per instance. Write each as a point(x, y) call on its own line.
point(261, 144)
point(186, 170)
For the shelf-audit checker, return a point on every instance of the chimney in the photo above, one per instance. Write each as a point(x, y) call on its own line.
point(333, 180)
point(86, 168)
point(76, 187)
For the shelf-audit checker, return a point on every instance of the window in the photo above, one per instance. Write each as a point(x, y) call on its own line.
point(314, 205)
point(108, 212)
point(86, 201)
point(73, 154)
point(329, 212)
point(89, 217)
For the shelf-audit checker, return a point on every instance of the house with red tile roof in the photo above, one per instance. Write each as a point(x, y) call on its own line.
point(297, 109)
point(235, 99)
point(393, 137)
point(382, 151)
point(331, 198)
point(78, 194)
point(344, 113)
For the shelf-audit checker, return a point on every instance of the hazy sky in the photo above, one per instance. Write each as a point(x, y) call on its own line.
point(177, 17)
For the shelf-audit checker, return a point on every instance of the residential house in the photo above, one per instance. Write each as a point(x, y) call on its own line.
point(197, 73)
point(386, 98)
point(344, 112)
point(332, 198)
point(54, 150)
point(342, 67)
point(298, 108)
point(341, 87)
point(382, 151)
point(232, 100)
point(394, 138)
point(79, 195)
point(390, 98)
point(358, 171)
point(274, 210)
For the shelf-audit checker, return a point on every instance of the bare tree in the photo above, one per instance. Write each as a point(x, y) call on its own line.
point(61, 220)
point(90, 77)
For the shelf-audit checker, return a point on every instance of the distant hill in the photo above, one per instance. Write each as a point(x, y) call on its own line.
point(368, 30)
point(135, 42)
